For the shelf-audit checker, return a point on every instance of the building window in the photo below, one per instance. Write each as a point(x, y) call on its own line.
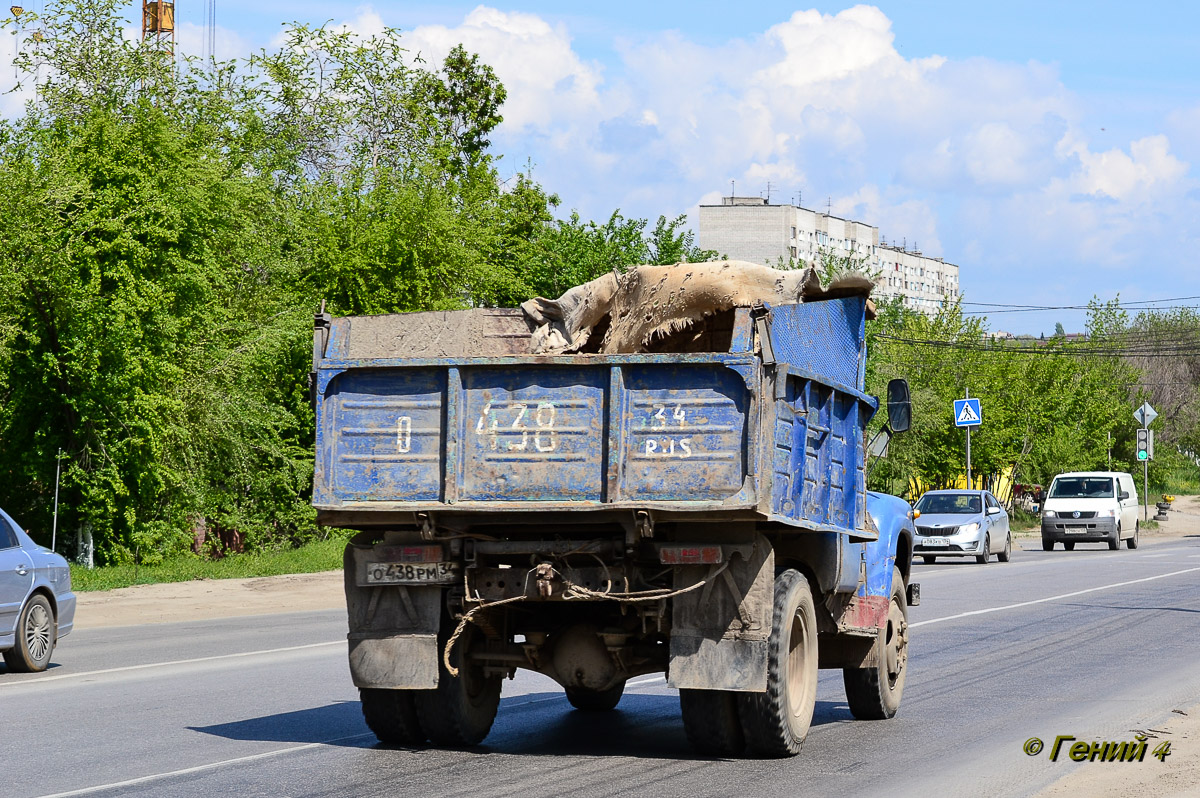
point(793, 232)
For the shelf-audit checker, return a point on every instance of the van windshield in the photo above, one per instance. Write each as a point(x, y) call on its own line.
point(1082, 488)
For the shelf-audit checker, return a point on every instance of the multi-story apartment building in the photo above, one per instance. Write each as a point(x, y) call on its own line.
point(749, 228)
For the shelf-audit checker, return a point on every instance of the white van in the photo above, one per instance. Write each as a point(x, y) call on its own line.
point(1090, 507)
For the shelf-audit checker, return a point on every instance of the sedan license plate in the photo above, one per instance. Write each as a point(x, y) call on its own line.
point(405, 573)
point(935, 542)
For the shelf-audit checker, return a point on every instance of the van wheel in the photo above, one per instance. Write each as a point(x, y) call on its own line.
point(1069, 545)
point(1133, 541)
point(1115, 543)
point(1047, 545)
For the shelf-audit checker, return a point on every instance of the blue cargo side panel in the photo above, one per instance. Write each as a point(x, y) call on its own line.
point(824, 338)
point(685, 433)
point(532, 434)
point(817, 468)
point(383, 431)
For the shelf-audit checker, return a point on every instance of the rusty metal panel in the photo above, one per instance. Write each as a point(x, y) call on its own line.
point(393, 628)
point(400, 662)
point(383, 435)
point(685, 432)
point(532, 434)
point(481, 332)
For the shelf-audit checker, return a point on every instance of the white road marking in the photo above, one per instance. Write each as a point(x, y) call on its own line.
point(1052, 598)
point(147, 666)
point(202, 768)
point(658, 677)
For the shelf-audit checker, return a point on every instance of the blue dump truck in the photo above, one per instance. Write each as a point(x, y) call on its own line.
point(695, 507)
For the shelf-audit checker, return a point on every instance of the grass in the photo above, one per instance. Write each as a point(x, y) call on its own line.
point(1022, 521)
point(1184, 480)
point(324, 555)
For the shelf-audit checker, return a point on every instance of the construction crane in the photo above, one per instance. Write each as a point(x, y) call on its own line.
point(158, 26)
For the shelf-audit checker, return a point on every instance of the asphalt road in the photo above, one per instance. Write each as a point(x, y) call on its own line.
point(1092, 643)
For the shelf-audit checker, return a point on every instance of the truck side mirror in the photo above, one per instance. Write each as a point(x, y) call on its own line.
point(899, 405)
point(1124, 495)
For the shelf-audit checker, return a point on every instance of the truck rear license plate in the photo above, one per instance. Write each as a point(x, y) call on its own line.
point(402, 573)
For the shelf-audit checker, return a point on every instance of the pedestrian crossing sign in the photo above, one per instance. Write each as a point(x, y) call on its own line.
point(967, 413)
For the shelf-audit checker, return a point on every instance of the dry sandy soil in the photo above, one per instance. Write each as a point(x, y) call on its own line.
point(1177, 777)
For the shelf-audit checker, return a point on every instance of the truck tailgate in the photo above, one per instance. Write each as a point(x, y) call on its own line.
point(569, 431)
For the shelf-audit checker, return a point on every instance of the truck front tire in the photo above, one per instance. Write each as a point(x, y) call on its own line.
point(874, 693)
point(776, 722)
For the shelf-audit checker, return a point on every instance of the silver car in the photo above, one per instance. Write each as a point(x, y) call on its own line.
point(961, 523)
point(36, 603)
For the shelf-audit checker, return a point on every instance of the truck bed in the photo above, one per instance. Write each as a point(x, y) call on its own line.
point(770, 429)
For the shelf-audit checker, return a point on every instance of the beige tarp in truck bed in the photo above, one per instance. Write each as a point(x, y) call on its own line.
point(624, 312)
point(642, 308)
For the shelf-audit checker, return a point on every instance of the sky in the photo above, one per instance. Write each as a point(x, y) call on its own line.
point(1050, 150)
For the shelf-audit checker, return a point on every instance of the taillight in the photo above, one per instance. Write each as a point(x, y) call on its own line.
point(689, 555)
point(410, 553)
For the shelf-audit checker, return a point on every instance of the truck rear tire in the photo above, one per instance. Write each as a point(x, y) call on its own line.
point(461, 709)
point(776, 722)
point(875, 693)
point(392, 715)
point(596, 700)
point(710, 719)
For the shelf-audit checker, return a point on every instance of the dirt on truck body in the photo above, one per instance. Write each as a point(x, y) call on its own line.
point(661, 471)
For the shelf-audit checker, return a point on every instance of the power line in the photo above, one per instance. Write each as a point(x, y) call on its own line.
point(1091, 349)
point(1078, 307)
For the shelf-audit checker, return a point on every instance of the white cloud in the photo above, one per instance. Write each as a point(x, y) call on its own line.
point(549, 86)
point(1148, 169)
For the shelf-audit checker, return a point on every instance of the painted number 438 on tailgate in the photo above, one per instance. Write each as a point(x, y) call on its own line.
point(399, 573)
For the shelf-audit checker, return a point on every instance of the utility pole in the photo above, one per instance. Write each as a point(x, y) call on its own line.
point(57, 474)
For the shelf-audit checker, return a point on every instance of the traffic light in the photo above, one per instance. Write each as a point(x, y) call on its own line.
point(1145, 445)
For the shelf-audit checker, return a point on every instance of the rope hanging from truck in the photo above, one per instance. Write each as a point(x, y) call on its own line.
point(572, 591)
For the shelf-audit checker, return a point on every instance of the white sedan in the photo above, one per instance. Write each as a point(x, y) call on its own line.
point(961, 523)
